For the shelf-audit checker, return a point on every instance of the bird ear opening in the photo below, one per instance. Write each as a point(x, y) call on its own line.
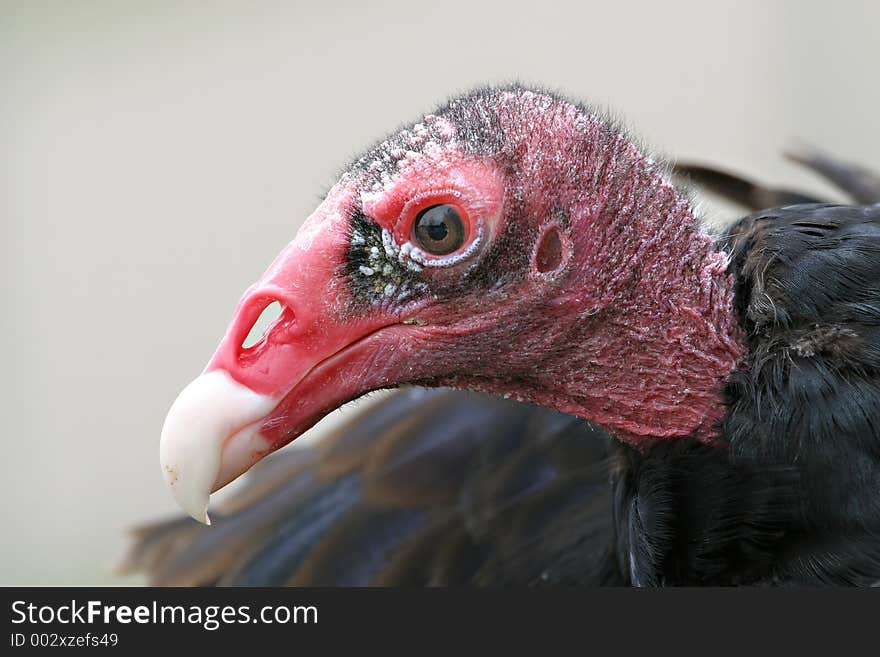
point(552, 251)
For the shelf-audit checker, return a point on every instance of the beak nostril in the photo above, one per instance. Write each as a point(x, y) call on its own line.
point(262, 325)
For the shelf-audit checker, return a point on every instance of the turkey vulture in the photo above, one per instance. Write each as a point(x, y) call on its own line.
point(524, 251)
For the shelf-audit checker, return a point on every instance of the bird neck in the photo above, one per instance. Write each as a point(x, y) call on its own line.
point(645, 334)
point(660, 335)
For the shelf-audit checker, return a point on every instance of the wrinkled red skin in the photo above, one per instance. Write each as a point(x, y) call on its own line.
point(633, 329)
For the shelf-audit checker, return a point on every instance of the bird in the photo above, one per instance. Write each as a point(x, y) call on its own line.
point(588, 385)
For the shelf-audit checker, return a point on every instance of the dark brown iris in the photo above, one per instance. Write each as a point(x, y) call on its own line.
point(439, 229)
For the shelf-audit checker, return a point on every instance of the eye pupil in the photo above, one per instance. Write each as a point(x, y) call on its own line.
point(439, 229)
point(437, 232)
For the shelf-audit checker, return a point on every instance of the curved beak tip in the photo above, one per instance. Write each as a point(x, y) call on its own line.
point(194, 501)
point(194, 448)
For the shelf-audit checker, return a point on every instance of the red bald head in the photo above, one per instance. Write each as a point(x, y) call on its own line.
point(512, 242)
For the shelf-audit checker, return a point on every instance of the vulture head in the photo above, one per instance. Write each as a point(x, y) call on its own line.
point(512, 242)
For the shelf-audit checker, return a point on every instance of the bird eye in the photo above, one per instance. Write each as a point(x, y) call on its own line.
point(439, 229)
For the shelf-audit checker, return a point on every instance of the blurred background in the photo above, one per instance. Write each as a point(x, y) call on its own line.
point(157, 155)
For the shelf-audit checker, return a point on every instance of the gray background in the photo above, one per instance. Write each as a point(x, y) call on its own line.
point(156, 155)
